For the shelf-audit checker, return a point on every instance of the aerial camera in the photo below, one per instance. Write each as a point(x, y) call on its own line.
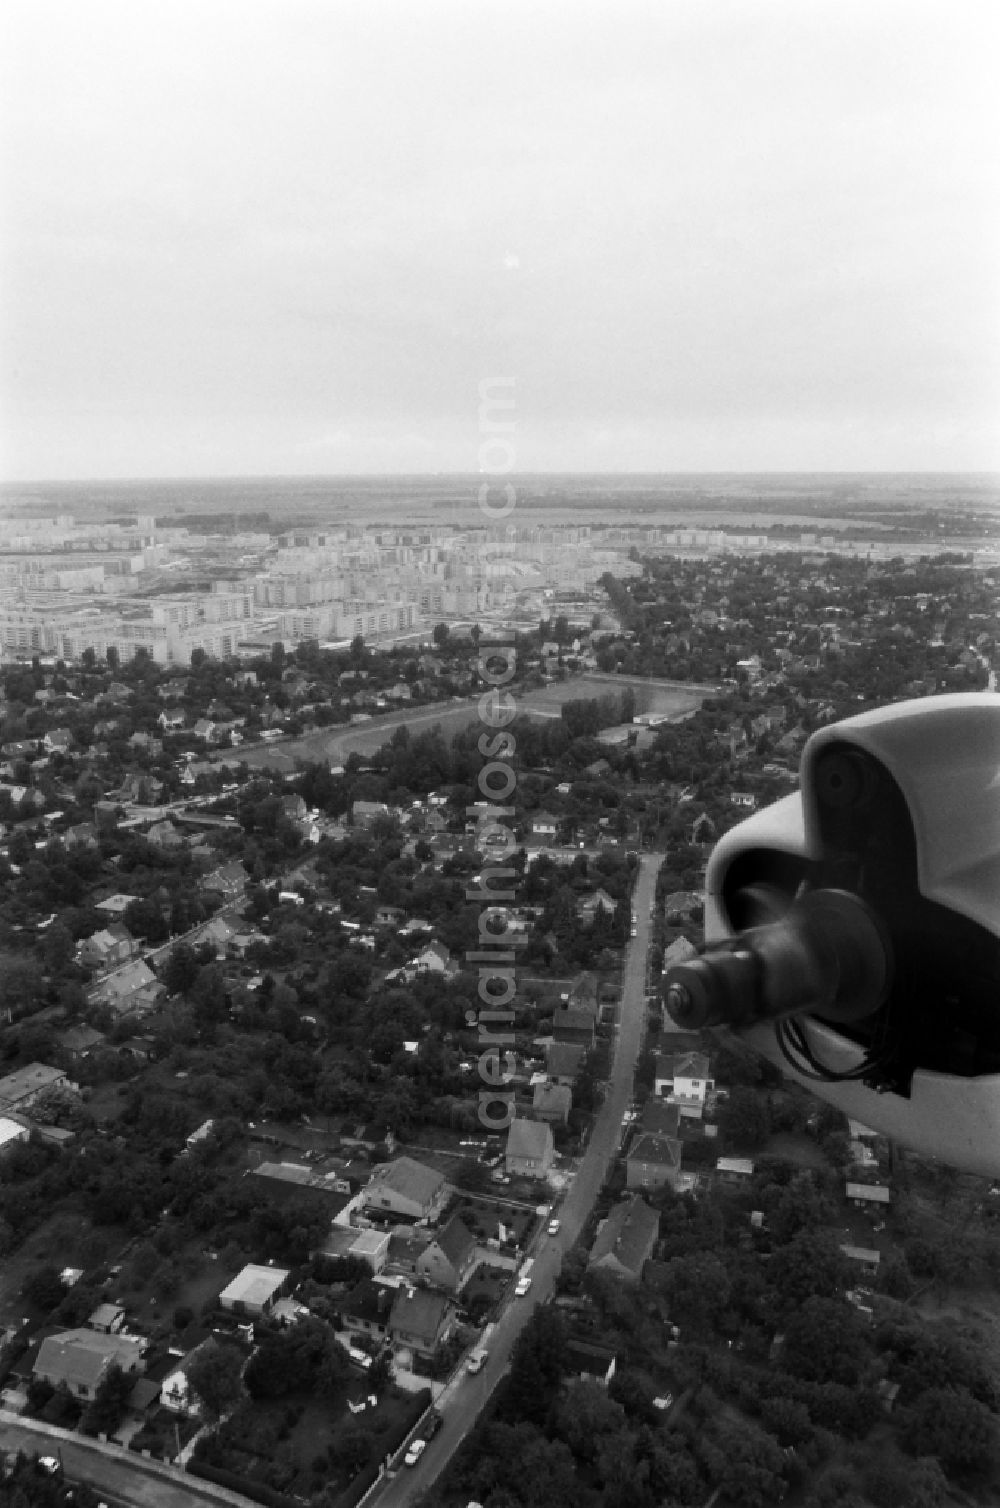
point(852, 930)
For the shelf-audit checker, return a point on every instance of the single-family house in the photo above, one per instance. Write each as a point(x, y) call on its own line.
point(19, 1090)
point(573, 1026)
point(684, 1079)
point(115, 905)
point(588, 907)
point(58, 741)
point(80, 1041)
point(81, 835)
point(654, 1162)
point(133, 987)
point(681, 905)
point(366, 1309)
point(107, 949)
point(365, 813)
point(544, 825)
point(434, 959)
point(12, 1132)
point(176, 1392)
point(562, 1062)
point(625, 1240)
point(421, 1319)
point(164, 836)
point(229, 880)
point(551, 1102)
point(254, 1290)
point(660, 1118)
point(407, 1188)
point(172, 719)
point(589, 1361)
point(449, 1259)
point(530, 1148)
point(81, 1359)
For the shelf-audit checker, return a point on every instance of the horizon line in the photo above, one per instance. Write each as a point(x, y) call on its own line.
point(476, 476)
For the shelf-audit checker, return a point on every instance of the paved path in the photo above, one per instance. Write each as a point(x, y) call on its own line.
point(464, 1397)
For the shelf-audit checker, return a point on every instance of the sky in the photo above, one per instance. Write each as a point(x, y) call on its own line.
point(280, 237)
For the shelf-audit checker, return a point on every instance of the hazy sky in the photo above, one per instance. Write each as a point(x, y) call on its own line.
point(293, 236)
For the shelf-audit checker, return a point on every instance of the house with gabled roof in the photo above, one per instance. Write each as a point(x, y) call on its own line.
point(407, 1188)
point(625, 1240)
point(434, 959)
point(366, 1309)
point(450, 1258)
point(81, 1359)
point(684, 1079)
point(133, 987)
point(106, 949)
point(364, 813)
point(164, 835)
point(421, 1319)
point(229, 880)
point(530, 1148)
point(589, 905)
point(81, 835)
point(573, 1026)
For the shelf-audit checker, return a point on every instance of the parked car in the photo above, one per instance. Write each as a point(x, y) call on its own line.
point(553, 1227)
point(523, 1284)
point(414, 1453)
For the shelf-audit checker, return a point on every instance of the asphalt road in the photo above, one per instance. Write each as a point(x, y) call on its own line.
point(462, 1401)
point(114, 1472)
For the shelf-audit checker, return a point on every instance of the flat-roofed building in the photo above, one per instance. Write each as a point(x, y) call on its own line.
point(254, 1289)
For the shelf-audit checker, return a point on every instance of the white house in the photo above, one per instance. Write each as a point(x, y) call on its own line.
point(684, 1079)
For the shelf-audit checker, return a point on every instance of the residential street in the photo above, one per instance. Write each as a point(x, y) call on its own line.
point(465, 1397)
point(122, 1477)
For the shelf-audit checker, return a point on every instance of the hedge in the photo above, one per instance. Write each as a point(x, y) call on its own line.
point(258, 1491)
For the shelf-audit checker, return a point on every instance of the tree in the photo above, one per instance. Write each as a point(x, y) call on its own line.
point(953, 1426)
point(537, 1366)
point(907, 1484)
point(112, 657)
point(698, 1289)
point(745, 1462)
point(744, 1118)
point(583, 1414)
point(44, 1287)
point(441, 634)
point(810, 1266)
point(103, 1415)
point(215, 1376)
point(825, 1342)
point(57, 948)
